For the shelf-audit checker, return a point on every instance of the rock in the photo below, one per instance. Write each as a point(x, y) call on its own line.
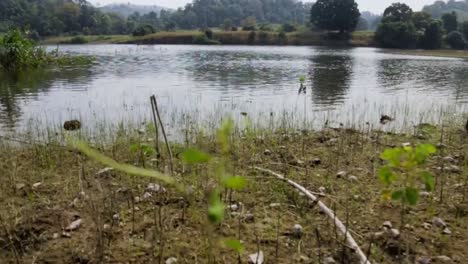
point(275, 205)
point(443, 259)
point(141, 131)
point(297, 231)
point(424, 194)
point(341, 174)
point(303, 258)
point(171, 260)
point(296, 162)
point(74, 225)
point(66, 234)
point(233, 207)
point(387, 225)
point(155, 188)
point(441, 145)
point(449, 159)
point(235, 214)
point(329, 260)
point(249, 218)
point(352, 178)
point(453, 169)
point(72, 125)
point(36, 185)
point(55, 236)
point(378, 236)
point(423, 260)
point(385, 119)
point(439, 222)
point(406, 144)
point(322, 189)
point(446, 231)
point(137, 199)
point(426, 226)
point(115, 217)
point(395, 233)
point(147, 196)
point(104, 171)
point(256, 258)
point(267, 152)
point(106, 227)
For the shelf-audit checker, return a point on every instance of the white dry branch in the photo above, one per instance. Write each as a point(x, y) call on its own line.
point(341, 227)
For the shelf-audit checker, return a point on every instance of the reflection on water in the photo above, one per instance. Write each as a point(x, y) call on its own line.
point(343, 84)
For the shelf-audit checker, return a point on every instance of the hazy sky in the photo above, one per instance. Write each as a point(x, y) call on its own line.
point(375, 6)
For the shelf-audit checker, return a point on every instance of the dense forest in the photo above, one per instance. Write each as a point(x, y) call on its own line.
point(56, 17)
point(440, 8)
point(129, 9)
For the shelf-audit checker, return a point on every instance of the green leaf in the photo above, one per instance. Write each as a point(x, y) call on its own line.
point(216, 209)
point(224, 133)
point(235, 182)
point(147, 150)
point(302, 79)
point(235, 245)
point(411, 195)
point(397, 195)
point(423, 151)
point(393, 156)
point(386, 175)
point(195, 156)
point(428, 180)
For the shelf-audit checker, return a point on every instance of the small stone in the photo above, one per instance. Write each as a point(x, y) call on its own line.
point(267, 152)
point(275, 205)
point(104, 171)
point(256, 258)
point(66, 234)
point(423, 260)
point(315, 162)
point(106, 227)
point(322, 189)
point(233, 207)
point(444, 259)
point(406, 144)
point(449, 159)
point(141, 131)
point(341, 174)
point(395, 233)
point(147, 196)
point(378, 235)
point(155, 188)
point(453, 169)
point(297, 231)
point(387, 225)
point(352, 178)
point(74, 225)
point(249, 218)
point(137, 199)
point(446, 231)
point(55, 236)
point(441, 145)
point(116, 217)
point(439, 222)
point(329, 260)
point(235, 214)
point(426, 226)
point(36, 185)
point(424, 194)
point(171, 260)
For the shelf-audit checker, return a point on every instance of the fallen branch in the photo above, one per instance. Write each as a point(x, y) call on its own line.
point(341, 227)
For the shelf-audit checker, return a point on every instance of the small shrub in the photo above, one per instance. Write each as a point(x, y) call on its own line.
point(234, 29)
point(282, 37)
point(209, 33)
point(78, 40)
point(203, 40)
point(455, 40)
point(143, 30)
point(251, 38)
point(287, 27)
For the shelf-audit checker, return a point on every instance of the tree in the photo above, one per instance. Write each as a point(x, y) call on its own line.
point(362, 25)
point(341, 15)
point(450, 21)
point(432, 38)
point(397, 12)
point(227, 24)
point(421, 20)
point(464, 29)
point(397, 29)
point(455, 40)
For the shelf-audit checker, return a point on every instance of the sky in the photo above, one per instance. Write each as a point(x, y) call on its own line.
point(375, 6)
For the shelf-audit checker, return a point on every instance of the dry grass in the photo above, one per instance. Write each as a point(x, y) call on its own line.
point(70, 187)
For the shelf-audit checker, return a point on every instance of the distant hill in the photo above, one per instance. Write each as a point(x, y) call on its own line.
point(440, 7)
point(128, 9)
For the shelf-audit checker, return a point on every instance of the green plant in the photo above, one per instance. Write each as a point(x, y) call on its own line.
point(455, 40)
point(144, 30)
point(404, 169)
point(78, 40)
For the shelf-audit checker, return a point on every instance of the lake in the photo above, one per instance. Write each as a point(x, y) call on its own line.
point(204, 83)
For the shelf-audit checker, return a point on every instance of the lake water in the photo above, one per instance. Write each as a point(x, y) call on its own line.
point(205, 83)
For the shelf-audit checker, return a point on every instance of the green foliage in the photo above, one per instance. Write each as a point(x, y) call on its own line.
point(341, 15)
point(455, 40)
point(227, 24)
point(201, 39)
point(397, 12)
point(235, 245)
point(404, 169)
point(143, 30)
point(464, 29)
point(433, 35)
point(209, 33)
point(252, 37)
point(216, 208)
point(450, 21)
point(235, 182)
point(78, 40)
point(249, 24)
point(195, 156)
point(288, 27)
point(145, 149)
point(224, 134)
point(400, 35)
point(421, 20)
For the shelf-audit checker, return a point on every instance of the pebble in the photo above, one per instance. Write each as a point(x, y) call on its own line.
point(233, 207)
point(427, 226)
point(275, 205)
point(423, 260)
point(322, 189)
point(424, 194)
point(443, 259)
point(256, 258)
point(352, 178)
point(36, 185)
point(74, 225)
point(395, 233)
point(341, 174)
point(147, 196)
point(387, 224)
point(329, 260)
point(115, 217)
point(437, 221)
point(406, 144)
point(267, 152)
point(447, 231)
point(55, 236)
point(171, 260)
point(106, 227)
point(249, 218)
point(155, 188)
point(20, 186)
point(297, 231)
point(137, 199)
point(66, 234)
point(449, 159)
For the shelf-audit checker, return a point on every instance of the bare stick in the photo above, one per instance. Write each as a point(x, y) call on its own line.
point(341, 227)
point(164, 134)
point(155, 121)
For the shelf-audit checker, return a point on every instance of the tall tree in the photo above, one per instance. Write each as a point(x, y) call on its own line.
point(450, 21)
point(341, 15)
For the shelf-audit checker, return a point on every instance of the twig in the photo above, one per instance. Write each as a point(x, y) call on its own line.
point(155, 121)
point(164, 134)
point(341, 227)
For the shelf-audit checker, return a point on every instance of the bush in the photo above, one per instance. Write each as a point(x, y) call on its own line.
point(432, 38)
point(249, 28)
point(234, 29)
point(209, 33)
point(283, 39)
point(251, 39)
point(263, 37)
point(455, 40)
point(400, 35)
point(143, 30)
point(203, 40)
point(78, 40)
point(287, 27)
point(464, 29)
point(266, 27)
